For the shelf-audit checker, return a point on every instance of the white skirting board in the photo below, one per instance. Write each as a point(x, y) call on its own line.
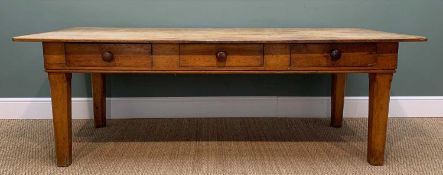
point(238, 106)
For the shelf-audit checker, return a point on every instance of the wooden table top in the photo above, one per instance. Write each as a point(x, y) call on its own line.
point(217, 35)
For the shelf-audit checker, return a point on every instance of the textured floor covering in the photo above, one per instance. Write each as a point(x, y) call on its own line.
point(222, 146)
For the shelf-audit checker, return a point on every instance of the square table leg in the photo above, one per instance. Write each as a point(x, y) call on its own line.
point(379, 90)
point(99, 98)
point(61, 110)
point(337, 99)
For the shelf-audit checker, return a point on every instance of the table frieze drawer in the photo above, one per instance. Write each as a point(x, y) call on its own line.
point(84, 55)
point(221, 55)
point(334, 55)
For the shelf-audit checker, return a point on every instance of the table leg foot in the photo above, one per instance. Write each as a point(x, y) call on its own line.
point(379, 90)
point(337, 99)
point(99, 98)
point(61, 111)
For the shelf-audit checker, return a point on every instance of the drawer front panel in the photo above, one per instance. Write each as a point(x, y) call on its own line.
point(333, 55)
point(108, 55)
point(208, 55)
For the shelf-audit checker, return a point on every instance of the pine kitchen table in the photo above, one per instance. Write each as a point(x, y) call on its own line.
point(337, 51)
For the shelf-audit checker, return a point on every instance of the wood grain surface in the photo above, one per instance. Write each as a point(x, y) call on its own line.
point(379, 93)
point(198, 58)
point(337, 99)
point(61, 110)
point(217, 35)
point(204, 55)
point(124, 55)
point(318, 55)
point(339, 51)
point(98, 82)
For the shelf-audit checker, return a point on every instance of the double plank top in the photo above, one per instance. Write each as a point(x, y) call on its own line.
point(217, 35)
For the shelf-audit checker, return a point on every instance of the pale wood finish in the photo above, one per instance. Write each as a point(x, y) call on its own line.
point(84, 55)
point(193, 50)
point(61, 111)
point(337, 99)
point(217, 35)
point(99, 97)
point(379, 90)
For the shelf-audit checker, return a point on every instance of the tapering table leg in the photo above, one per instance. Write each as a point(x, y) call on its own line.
point(337, 99)
point(99, 98)
point(379, 90)
point(61, 111)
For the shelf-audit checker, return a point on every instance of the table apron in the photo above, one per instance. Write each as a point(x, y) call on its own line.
point(223, 58)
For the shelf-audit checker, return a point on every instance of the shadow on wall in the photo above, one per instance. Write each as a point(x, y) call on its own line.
point(184, 85)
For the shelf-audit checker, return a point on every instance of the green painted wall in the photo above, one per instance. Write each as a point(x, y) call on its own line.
point(419, 73)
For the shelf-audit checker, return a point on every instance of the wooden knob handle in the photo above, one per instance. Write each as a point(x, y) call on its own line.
point(107, 56)
point(221, 56)
point(335, 54)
